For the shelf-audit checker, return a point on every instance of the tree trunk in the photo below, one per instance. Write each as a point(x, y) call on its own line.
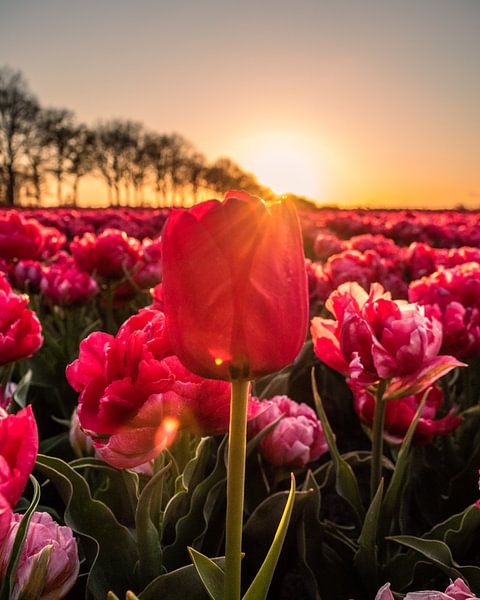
point(75, 191)
point(11, 184)
point(59, 189)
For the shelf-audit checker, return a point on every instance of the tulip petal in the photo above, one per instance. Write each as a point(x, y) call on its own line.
point(422, 379)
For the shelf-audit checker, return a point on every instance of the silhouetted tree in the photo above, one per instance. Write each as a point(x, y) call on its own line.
point(115, 142)
point(37, 154)
point(196, 171)
point(18, 108)
point(178, 151)
point(82, 149)
point(156, 148)
point(59, 131)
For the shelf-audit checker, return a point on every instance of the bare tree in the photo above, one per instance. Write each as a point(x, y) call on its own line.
point(115, 145)
point(156, 147)
point(196, 171)
point(59, 131)
point(18, 108)
point(82, 150)
point(37, 154)
point(178, 152)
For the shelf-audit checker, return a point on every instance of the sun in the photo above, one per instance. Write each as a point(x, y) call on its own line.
point(286, 163)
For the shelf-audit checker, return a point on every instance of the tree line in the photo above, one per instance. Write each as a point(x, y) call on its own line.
point(41, 147)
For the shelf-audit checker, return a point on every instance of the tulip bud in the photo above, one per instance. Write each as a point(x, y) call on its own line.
point(235, 286)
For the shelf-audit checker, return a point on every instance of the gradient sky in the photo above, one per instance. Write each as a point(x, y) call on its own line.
point(348, 101)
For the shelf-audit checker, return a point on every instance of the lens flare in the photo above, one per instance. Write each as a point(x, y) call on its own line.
point(166, 432)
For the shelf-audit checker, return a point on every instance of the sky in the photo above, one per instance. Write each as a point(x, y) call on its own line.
point(349, 102)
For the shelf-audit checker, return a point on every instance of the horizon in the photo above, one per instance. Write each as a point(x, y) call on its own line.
point(350, 105)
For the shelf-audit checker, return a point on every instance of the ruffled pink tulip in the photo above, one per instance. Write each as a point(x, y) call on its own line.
point(374, 337)
point(66, 285)
point(26, 275)
point(457, 590)
point(453, 297)
point(234, 272)
point(20, 330)
point(44, 537)
point(296, 440)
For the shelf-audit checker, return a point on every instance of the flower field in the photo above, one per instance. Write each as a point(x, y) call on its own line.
point(239, 400)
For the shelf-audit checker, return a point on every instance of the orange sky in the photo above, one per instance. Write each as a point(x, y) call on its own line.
point(351, 103)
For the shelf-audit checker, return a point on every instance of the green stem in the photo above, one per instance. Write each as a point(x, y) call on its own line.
point(377, 438)
point(237, 443)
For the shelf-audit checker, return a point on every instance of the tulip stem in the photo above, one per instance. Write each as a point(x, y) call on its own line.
point(377, 438)
point(237, 445)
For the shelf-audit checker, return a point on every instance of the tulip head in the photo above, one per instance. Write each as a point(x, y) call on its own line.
point(235, 286)
point(49, 565)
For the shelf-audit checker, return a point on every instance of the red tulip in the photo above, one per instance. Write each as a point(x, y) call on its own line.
point(235, 286)
point(20, 238)
point(399, 414)
point(111, 254)
point(6, 515)
point(20, 330)
point(18, 452)
point(135, 394)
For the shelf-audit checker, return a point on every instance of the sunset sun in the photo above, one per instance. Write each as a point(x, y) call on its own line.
point(285, 163)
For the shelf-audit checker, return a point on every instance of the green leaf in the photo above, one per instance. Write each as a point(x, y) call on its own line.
point(212, 576)
point(148, 537)
point(21, 391)
point(346, 483)
point(182, 583)
point(434, 550)
point(187, 514)
point(116, 552)
point(458, 532)
point(394, 491)
point(258, 589)
point(20, 537)
point(365, 559)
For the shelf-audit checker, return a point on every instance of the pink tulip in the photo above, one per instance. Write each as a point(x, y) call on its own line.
point(44, 537)
point(66, 285)
point(453, 297)
point(457, 590)
point(374, 337)
point(296, 440)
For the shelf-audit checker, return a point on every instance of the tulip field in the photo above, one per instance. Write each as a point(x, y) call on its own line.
point(239, 401)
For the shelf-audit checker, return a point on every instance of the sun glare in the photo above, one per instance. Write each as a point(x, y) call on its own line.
point(285, 163)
